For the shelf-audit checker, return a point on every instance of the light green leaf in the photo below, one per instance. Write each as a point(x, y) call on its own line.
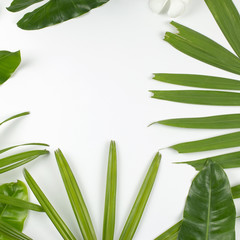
point(202, 97)
point(9, 61)
point(110, 196)
point(57, 11)
point(223, 141)
point(236, 191)
point(209, 210)
point(15, 116)
point(48, 208)
point(141, 200)
point(18, 5)
point(202, 48)
point(75, 197)
point(228, 19)
point(199, 81)
point(212, 122)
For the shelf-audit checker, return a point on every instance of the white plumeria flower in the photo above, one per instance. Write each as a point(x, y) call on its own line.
point(176, 7)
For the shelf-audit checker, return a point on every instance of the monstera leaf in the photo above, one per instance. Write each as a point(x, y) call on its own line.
point(53, 12)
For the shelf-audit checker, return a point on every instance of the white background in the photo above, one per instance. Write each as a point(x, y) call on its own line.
point(86, 82)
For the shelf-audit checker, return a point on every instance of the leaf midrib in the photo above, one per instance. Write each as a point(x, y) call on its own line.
point(209, 208)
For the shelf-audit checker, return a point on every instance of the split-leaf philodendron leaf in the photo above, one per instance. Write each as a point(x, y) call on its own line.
point(18, 5)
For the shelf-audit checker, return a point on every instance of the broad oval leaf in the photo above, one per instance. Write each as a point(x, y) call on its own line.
point(202, 97)
point(9, 61)
point(57, 11)
point(199, 81)
point(18, 5)
point(209, 210)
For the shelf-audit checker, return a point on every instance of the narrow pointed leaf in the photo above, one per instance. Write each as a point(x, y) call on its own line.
point(223, 141)
point(212, 122)
point(202, 97)
point(110, 196)
point(75, 197)
point(228, 19)
point(15, 116)
point(209, 210)
point(48, 208)
point(202, 48)
point(199, 81)
point(141, 201)
point(18, 5)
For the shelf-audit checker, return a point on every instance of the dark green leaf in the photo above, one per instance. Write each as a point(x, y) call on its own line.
point(9, 62)
point(209, 210)
point(57, 11)
point(199, 81)
point(110, 196)
point(48, 208)
point(18, 5)
point(236, 191)
point(228, 19)
point(202, 48)
point(211, 122)
point(141, 201)
point(15, 116)
point(223, 141)
point(75, 197)
point(199, 97)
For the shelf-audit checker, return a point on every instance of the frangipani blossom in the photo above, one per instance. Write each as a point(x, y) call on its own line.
point(176, 7)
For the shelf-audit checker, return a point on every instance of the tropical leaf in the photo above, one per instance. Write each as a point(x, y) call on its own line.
point(110, 196)
point(202, 48)
point(75, 197)
point(212, 122)
point(228, 19)
point(209, 210)
point(199, 81)
point(48, 208)
point(15, 116)
point(236, 191)
point(18, 5)
point(202, 97)
point(57, 11)
point(141, 200)
point(9, 61)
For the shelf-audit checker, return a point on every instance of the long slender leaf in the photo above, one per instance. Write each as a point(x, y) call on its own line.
point(75, 197)
point(110, 196)
point(15, 116)
point(141, 201)
point(48, 208)
point(202, 48)
point(18, 5)
point(236, 191)
point(202, 97)
point(213, 143)
point(199, 81)
point(226, 121)
point(228, 19)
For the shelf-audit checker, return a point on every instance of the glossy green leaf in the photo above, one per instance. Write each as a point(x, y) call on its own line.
point(199, 81)
point(18, 5)
point(9, 61)
point(212, 122)
point(223, 141)
point(57, 11)
point(75, 197)
point(228, 19)
point(202, 97)
point(15, 116)
point(202, 48)
point(236, 191)
point(141, 201)
point(14, 161)
point(48, 208)
point(110, 196)
point(209, 210)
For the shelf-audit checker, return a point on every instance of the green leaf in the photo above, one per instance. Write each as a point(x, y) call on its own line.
point(18, 5)
point(212, 122)
point(229, 160)
point(199, 81)
point(75, 197)
point(202, 97)
point(57, 11)
point(236, 191)
point(141, 200)
point(14, 161)
point(9, 61)
point(209, 210)
point(202, 48)
point(223, 141)
point(48, 208)
point(228, 19)
point(110, 196)
point(15, 116)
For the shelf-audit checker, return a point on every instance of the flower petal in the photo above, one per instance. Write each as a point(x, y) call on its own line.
point(157, 5)
point(176, 8)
